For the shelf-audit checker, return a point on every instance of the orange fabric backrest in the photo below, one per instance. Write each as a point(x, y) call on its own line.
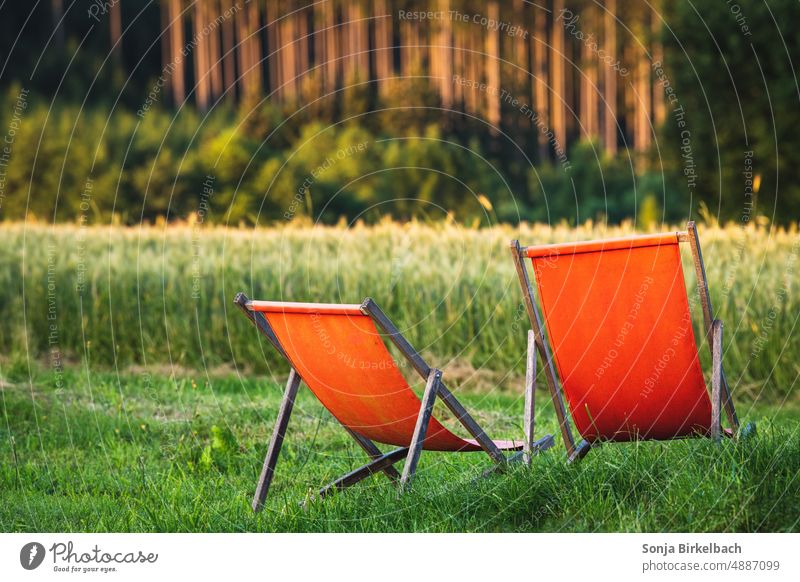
point(340, 355)
point(618, 321)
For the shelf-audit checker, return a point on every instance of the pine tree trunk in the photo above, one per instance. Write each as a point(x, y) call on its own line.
point(333, 52)
point(271, 11)
point(287, 50)
point(493, 68)
point(459, 64)
point(643, 94)
point(383, 45)
point(360, 38)
point(199, 51)
point(540, 79)
point(254, 26)
point(301, 46)
point(558, 78)
point(659, 109)
point(115, 28)
point(214, 56)
point(178, 60)
point(610, 79)
point(589, 89)
point(164, 41)
point(228, 50)
point(444, 52)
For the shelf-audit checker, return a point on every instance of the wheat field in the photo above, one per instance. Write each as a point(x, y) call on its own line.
point(161, 295)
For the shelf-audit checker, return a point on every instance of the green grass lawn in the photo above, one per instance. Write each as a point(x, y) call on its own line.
point(141, 452)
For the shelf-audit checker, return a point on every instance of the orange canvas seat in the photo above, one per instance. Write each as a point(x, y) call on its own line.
point(619, 339)
point(339, 353)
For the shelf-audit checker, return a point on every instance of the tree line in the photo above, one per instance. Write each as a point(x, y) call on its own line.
point(555, 94)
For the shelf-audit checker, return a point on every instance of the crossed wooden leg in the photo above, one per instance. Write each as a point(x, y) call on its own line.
point(379, 462)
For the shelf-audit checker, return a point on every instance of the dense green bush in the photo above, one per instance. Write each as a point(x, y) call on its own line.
point(69, 163)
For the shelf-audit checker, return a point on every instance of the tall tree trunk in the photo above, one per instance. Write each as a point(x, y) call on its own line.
point(115, 28)
point(166, 48)
point(200, 53)
point(471, 97)
point(333, 50)
point(271, 15)
point(520, 53)
point(301, 45)
point(214, 55)
point(539, 46)
point(228, 50)
point(571, 106)
point(558, 78)
point(444, 53)
point(659, 110)
point(360, 39)
point(610, 81)
point(493, 68)
point(383, 45)
point(347, 43)
point(643, 94)
point(409, 51)
point(254, 26)
point(287, 50)
point(588, 72)
point(248, 21)
point(177, 44)
point(459, 64)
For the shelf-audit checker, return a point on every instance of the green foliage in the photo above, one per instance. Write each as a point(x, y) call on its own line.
point(739, 91)
point(596, 186)
point(83, 164)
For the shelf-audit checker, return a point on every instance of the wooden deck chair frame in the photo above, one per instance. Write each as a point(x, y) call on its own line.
point(720, 392)
point(381, 462)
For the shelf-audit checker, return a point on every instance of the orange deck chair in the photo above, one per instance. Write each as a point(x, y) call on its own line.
point(617, 320)
point(338, 352)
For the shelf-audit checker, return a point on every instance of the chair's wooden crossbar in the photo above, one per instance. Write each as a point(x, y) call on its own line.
point(381, 463)
point(544, 350)
point(369, 307)
point(373, 452)
point(260, 321)
point(538, 446)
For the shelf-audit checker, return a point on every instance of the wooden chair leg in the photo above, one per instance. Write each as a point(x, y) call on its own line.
point(425, 412)
point(544, 351)
point(275, 443)
point(716, 380)
point(708, 319)
point(374, 453)
point(374, 466)
point(581, 449)
point(530, 398)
